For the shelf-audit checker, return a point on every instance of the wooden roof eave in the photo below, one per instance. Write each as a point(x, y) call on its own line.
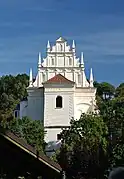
point(20, 143)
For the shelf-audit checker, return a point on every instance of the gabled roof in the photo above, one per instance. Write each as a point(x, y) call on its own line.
point(29, 149)
point(59, 79)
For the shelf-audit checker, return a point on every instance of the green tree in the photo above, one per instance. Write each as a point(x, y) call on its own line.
point(117, 125)
point(31, 131)
point(112, 112)
point(84, 147)
point(120, 90)
point(21, 83)
point(105, 90)
point(12, 90)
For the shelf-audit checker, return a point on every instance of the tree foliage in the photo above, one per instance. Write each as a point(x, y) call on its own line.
point(31, 131)
point(12, 90)
point(94, 144)
point(105, 90)
point(120, 90)
point(87, 142)
point(81, 146)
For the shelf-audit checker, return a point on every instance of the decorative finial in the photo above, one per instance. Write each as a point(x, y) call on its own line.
point(48, 44)
point(73, 44)
point(31, 78)
point(82, 58)
point(91, 78)
point(39, 59)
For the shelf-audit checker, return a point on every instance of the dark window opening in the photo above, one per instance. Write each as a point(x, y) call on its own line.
point(16, 114)
point(58, 136)
point(59, 102)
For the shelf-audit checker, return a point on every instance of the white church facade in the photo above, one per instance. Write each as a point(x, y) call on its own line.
point(60, 91)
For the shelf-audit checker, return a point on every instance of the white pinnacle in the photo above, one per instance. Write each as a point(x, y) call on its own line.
point(31, 78)
point(91, 78)
point(48, 44)
point(39, 59)
point(73, 44)
point(82, 58)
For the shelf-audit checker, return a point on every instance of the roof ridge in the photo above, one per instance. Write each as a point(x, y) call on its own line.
point(59, 78)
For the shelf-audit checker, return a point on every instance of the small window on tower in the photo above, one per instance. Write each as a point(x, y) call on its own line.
point(59, 102)
point(70, 61)
point(52, 61)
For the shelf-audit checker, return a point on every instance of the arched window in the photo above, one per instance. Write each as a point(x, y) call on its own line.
point(58, 102)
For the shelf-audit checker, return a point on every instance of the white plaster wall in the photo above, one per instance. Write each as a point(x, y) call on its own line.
point(23, 109)
point(35, 108)
point(69, 75)
point(81, 108)
point(83, 99)
point(74, 104)
point(51, 92)
point(51, 134)
point(51, 75)
point(60, 61)
point(58, 117)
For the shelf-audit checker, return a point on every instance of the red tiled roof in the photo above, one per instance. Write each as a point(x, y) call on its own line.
point(59, 79)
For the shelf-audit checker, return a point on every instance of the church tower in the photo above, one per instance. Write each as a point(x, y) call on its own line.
point(61, 90)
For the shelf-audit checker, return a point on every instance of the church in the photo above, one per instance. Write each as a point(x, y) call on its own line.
point(60, 90)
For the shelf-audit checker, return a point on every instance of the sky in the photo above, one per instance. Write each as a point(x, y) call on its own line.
point(97, 26)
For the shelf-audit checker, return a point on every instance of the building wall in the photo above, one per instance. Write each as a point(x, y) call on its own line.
point(84, 101)
point(61, 59)
point(58, 117)
point(23, 108)
point(35, 108)
point(75, 75)
point(51, 134)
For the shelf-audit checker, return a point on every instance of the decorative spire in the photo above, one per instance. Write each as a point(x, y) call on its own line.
point(31, 78)
point(48, 45)
point(82, 58)
point(91, 78)
point(73, 44)
point(39, 59)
